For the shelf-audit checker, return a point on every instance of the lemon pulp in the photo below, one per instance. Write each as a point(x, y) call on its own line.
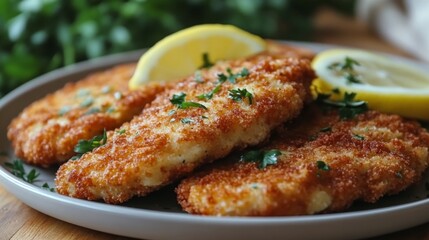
point(388, 85)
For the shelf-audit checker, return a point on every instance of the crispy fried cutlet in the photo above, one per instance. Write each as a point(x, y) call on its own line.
point(46, 132)
point(204, 117)
point(325, 165)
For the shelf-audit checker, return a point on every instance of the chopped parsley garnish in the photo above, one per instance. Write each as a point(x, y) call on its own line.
point(321, 165)
point(326, 129)
point(84, 146)
point(232, 77)
point(63, 110)
point(238, 95)
point(198, 77)
point(93, 110)
point(187, 120)
point(87, 102)
point(47, 187)
point(348, 64)
point(179, 101)
point(171, 112)
point(399, 175)
point(206, 61)
point(336, 91)
point(348, 107)
point(208, 96)
point(346, 69)
point(264, 158)
point(358, 137)
point(17, 168)
point(120, 131)
point(111, 109)
point(352, 78)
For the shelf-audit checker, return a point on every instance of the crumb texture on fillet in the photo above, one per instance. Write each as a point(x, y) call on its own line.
point(168, 141)
point(326, 164)
point(46, 132)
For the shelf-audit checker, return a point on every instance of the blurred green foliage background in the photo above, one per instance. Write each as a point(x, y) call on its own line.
point(37, 36)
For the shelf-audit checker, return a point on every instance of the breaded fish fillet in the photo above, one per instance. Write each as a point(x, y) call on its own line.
point(232, 105)
point(325, 165)
point(46, 132)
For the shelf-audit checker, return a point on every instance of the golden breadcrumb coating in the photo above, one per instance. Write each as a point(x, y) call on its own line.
point(325, 165)
point(46, 132)
point(166, 142)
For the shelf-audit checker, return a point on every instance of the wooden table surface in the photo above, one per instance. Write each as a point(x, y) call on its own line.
point(18, 221)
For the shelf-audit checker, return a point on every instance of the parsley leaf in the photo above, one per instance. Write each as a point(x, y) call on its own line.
point(348, 107)
point(87, 102)
point(238, 95)
point(326, 129)
point(120, 131)
point(47, 187)
point(17, 168)
point(84, 146)
point(264, 158)
point(346, 69)
point(187, 120)
point(206, 61)
point(179, 101)
point(198, 77)
point(208, 96)
point(358, 137)
point(321, 165)
point(232, 77)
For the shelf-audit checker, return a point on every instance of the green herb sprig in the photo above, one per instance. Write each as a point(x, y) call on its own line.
point(47, 187)
point(232, 77)
point(348, 107)
point(84, 146)
point(263, 158)
point(206, 61)
point(17, 168)
point(347, 69)
point(179, 101)
point(239, 94)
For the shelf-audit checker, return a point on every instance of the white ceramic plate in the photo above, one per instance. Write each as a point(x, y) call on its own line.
point(158, 215)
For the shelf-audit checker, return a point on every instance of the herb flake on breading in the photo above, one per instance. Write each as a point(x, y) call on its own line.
point(84, 146)
point(263, 158)
point(239, 94)
point(358, 137)
point(348, 107)
point(187, 120)
point(47, 187)
point(321, 165)
point(179, 101)
point(232, 77)
point(209, 95)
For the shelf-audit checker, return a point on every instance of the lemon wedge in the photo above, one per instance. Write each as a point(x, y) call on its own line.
point(389, 85)
point(182, 53)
